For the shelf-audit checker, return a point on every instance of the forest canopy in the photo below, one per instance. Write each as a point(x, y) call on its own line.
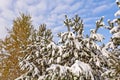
point(27, 53)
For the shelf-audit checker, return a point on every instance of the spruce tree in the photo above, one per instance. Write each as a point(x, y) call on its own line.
point(74, 57)
point(37, 53)
point(112, 48)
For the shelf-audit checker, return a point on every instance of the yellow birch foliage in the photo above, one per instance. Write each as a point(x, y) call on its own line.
point(16, 41)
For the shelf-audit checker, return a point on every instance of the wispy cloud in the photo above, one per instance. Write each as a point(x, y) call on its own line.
point(102, 8)
point(51, 12)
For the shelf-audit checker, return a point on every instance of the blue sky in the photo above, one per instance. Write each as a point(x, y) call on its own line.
point(52, 13)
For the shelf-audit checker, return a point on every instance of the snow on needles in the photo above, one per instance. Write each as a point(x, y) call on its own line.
point(79, 68)
point(96, 36)
point(117, 13)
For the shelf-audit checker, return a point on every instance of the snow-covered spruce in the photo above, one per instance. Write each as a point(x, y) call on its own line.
point(75, 57)
point(112, 49)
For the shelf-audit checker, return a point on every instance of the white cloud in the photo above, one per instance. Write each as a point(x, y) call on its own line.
point(76, 6)
point(8, 14)
point(42, 6)
point(5, 4)
point(3, 30)
point(20, 6)
point(61, 8)
point(48, 11)
point(102, 8)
